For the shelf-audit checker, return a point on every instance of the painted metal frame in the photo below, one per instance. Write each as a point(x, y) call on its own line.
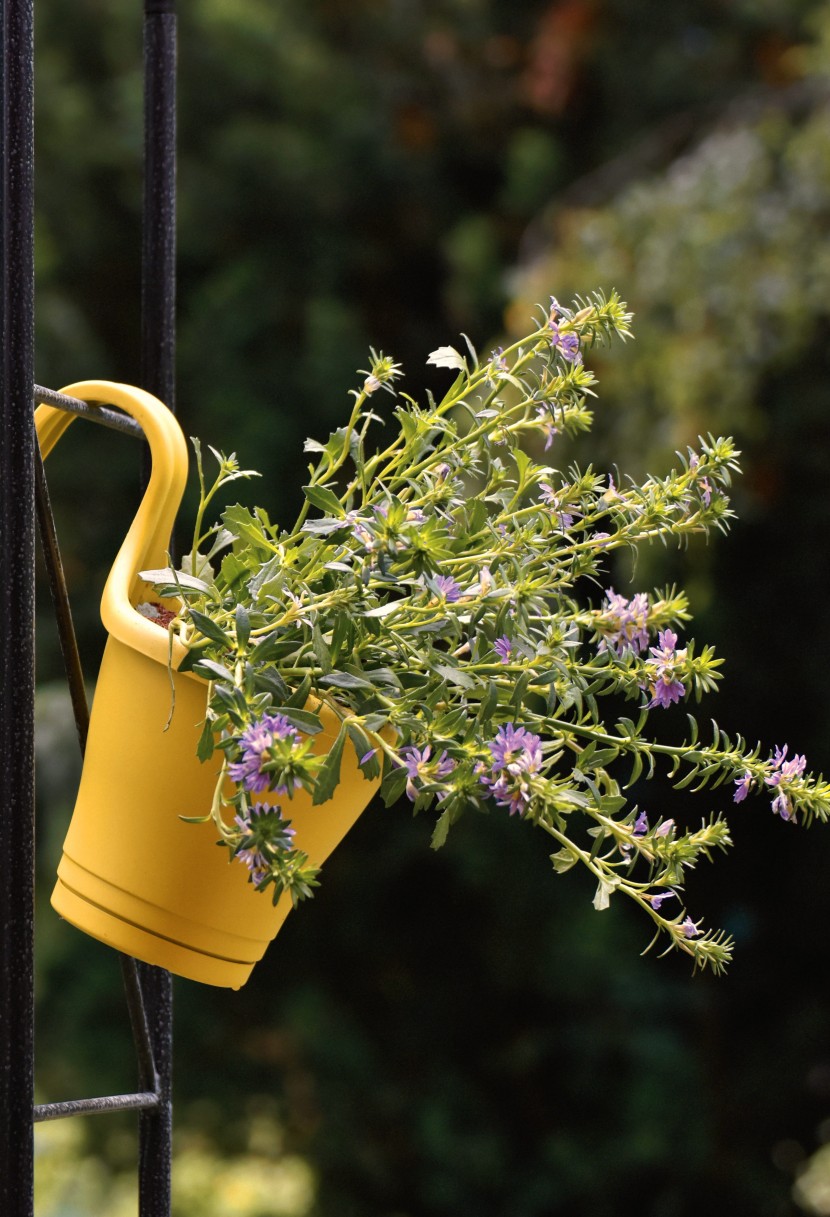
point(23, 499)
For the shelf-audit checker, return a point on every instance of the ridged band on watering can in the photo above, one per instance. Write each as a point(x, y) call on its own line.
point(133, 874)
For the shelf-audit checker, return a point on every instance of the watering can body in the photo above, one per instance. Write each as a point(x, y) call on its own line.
point(133, 874)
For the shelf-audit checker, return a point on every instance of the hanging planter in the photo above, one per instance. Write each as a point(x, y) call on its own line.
point(438, 620)
point(133, 873)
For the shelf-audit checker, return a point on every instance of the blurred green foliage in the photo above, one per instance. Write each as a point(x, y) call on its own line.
point(375, 173)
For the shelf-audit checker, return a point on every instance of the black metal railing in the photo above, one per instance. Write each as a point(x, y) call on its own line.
point(24, 498)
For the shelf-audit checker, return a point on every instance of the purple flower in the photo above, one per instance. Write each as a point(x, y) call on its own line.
point(666, 688)
point(265, 831)
point(497, 360)
point(744, 785)
point(515, 750)
point(665, 829)
point(689, 929)
point(543, 417)
point(503, 648)
point(447, 588)
point(640, 825)
point(566, 343)
point(516, 754)
point(551, 499)
point(256, 743)
point(666, 692)
point(782, 807)
point(783, 773)
point(420, 768)
point(785, 770)
point(657, 899)
point(624, 623)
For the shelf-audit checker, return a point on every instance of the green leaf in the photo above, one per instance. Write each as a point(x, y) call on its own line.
point(243, 625)
point(212, 671)
point(362, 744)
point(447, 725)
point(441, 830)
point(340, 635)
point(209, 628)
point(269, 681)
point(383, 610)
point(306, 720)
point(563, 861)
point(205, 747)
point(324, 499)
point(321, 650)
point(455, 676)
point(175, 579)
point(394, 784)
point(243, 524)
point(232, 570)
point(329, 774)
point(382, 678)
point(346, 680)
point(322, 528)
point(300, 695)
point(447, 357)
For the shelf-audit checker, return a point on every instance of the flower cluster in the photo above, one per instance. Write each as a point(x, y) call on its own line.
point(264, 838)
point(781, 775)
point(449, 601)
point(666, 662)
point(267, 747)
point(623, 623)
point(516, 756)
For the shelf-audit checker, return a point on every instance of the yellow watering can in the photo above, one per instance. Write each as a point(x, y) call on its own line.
point(133, 874)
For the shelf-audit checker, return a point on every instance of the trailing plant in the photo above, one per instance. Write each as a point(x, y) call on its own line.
point(447, 596)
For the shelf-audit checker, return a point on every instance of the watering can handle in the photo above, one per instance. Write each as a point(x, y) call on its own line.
point(145, 546)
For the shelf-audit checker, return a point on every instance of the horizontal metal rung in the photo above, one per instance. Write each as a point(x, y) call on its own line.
point(90, 1107)
point(104, 415)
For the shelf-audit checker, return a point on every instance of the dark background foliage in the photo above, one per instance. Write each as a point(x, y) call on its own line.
point(460, 1033)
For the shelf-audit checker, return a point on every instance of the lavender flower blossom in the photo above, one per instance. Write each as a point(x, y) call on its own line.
point(743, 787)
point(624, 623)
point(421, 769)
point(551, 498)
point(543, 417)
point(503, 648)
point(256, 743)
point(516, 755)
point(566, 343)
point(657, 899)
point(783, 772)
point(447, 588)
point(665, 688)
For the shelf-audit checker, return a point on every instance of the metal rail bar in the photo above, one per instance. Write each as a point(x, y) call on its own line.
point(103, 414)
point(141, 1101)
point(17, 532)
point(158, 376)
point(22, 486)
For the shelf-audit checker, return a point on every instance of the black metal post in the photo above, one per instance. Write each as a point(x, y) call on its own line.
point(158, 373)
point(17, 532)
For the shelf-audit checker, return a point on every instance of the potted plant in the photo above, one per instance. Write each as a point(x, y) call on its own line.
point(441, 617)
